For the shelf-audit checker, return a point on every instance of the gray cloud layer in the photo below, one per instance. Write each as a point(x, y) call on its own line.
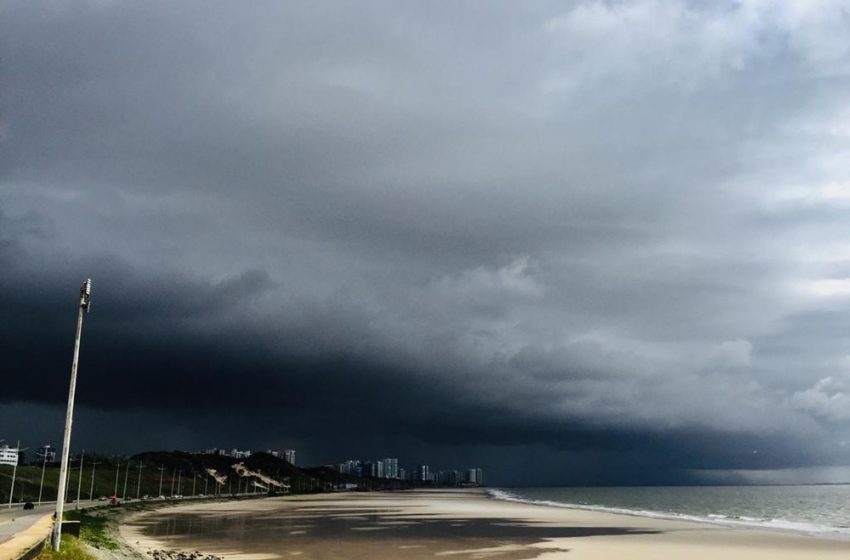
point(614, 231)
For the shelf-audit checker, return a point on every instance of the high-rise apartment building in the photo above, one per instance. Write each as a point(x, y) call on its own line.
point(475, 477)
point(352, 467)
point(390, 467)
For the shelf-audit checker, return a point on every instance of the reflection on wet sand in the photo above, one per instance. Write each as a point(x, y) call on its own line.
point(311, 529)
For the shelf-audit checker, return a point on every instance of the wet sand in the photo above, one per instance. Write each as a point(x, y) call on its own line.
point(451, 524)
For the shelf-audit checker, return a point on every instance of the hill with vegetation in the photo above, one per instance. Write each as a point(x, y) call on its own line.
point(177, 473)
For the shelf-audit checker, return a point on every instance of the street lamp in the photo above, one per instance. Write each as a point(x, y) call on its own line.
point(126, 477)
point(15, 472)
point(80, 480)
point(91, 489)
point(68, 485)
point(85, 306)
point(139, 484)
point(161, 469)
point(117, 471)
point(43, 464)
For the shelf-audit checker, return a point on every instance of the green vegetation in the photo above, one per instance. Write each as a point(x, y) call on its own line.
point(95, 527)
point(28, 480)
point(70, 549)
point(182, 473)
point(149, 474)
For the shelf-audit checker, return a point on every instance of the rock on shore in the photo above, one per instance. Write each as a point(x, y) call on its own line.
point(180, 555)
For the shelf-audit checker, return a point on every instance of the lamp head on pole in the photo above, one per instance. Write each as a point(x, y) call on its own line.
point(85, 294)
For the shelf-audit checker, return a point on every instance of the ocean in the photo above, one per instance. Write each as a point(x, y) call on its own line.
point(820, 509)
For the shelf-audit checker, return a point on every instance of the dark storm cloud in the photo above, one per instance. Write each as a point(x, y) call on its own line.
point(599, 234)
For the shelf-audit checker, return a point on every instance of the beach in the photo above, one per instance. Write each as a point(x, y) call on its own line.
point(456, 524)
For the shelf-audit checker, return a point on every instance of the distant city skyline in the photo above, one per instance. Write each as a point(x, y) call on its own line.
point(388, 468)
point(385, 468)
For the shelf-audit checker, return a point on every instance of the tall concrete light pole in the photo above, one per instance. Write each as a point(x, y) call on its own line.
point(85, 294)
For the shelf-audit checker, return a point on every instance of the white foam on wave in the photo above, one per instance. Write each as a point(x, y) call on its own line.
point(715, 519)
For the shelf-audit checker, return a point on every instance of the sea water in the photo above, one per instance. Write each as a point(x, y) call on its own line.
point(814, 509)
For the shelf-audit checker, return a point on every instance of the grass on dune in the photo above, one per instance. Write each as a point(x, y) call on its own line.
point(71, 549)
point(94, 527)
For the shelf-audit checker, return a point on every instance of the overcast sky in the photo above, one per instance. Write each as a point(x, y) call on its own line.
point(568, 242)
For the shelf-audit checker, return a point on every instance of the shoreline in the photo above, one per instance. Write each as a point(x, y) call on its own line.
point(781, 526)
point(460, 524)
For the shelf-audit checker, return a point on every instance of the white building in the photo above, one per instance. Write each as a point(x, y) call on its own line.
point(289, 456)
point(8, 455)
point(390, 467)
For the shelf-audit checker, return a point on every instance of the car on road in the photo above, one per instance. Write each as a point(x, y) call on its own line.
point(29, 505)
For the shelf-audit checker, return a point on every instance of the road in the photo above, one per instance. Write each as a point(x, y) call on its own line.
point(15, 520)
point(20, 528)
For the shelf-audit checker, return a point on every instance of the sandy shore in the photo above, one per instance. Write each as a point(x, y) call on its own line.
point(450, 524)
